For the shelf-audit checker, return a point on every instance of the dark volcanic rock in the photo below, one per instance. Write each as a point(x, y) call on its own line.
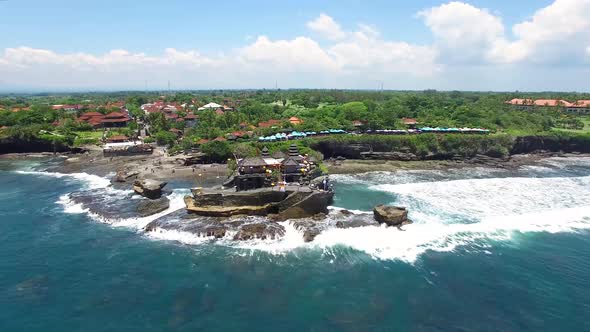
point(403, 156)
point(262, 230)
point(310, 234)
point(356, 222)
point(150, 207)
point(390, 215)
point(345, 213)
point(216, 231)
point(151, 189)
point(123, 176)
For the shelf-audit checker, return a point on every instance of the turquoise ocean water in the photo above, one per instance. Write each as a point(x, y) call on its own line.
point(490, 250)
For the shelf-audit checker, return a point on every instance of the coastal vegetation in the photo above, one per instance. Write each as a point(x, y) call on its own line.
point(221, 135)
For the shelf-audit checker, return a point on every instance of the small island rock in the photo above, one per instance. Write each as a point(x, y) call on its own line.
point(151, 207)
point(390, 215)
point(148, 188)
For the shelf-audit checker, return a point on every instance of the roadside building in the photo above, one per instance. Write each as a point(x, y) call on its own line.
point(118, 139)
point(115, 120)
point(295, 121)
point(190, 120)
point(579, 107)
point(210, 106)
point(410, 123)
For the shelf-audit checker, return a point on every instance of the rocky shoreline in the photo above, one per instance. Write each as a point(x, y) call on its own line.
point(243, 217)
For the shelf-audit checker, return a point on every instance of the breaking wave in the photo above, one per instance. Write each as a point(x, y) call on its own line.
point(469, 209)
point(91, 181)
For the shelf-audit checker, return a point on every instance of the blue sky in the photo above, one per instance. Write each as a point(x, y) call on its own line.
point(472, 45)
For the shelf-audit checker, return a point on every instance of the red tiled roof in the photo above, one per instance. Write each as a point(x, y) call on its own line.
point(220, 139)
point(94, 121)
point(409, 121)
point(91, 115)
point(581, 103)
point(125, 119)
point(238, 133)
point(219, 111)
point(202, 141)
point(518, 101)
point(115, 115)
point(269, 123)
point(552, 102)
point(191, 116)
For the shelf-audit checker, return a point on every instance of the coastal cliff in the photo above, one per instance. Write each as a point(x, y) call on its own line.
point(448, 147)
point(17, 145)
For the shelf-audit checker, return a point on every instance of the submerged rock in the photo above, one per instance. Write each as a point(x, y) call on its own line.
point(356, 222)
point(391, 215)
point(150, 207)
point(148, 188)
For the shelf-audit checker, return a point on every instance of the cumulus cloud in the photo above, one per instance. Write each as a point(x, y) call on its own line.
point(465, 33)
point(358, 56)
point(326, 27)
point(301, 53)
point(466, 39)
point(555, 33)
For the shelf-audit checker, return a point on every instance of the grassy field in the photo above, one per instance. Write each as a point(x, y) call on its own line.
point(585, 130)
point(88, 137)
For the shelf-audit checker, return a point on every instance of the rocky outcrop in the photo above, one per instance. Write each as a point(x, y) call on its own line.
point(332, 149)
point(18, 145)
point(300, 202)
point(532, 144)
point(123, 176)
point(152, 206)
point(402, 156)
point(148, 188)
point(391, 215)
point(262, 231)
point(219, 210)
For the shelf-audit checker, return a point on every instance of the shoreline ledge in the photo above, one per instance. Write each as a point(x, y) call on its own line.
point(294, 202)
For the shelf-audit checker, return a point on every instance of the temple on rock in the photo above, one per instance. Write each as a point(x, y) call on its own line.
point(280, 168)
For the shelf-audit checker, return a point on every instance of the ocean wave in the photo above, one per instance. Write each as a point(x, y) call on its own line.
point(389, 243)
point(475, 199)
point(448, 214)
point(176, 203)
point(91, 181)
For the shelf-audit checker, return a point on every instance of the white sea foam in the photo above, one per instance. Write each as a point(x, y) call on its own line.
point(91, 181)
point(69, 206)
point(176, 203)
point(178, 236)
point(447, 214)
point(389, 243)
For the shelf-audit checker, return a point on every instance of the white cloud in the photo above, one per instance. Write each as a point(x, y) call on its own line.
point(379, 56)
point(325, 26)
point(301, 53)
point(465, 33)
point(555, 33)
point(470, 42)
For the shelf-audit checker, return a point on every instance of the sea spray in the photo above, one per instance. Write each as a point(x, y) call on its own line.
point(91, 181)
point(469, 208)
